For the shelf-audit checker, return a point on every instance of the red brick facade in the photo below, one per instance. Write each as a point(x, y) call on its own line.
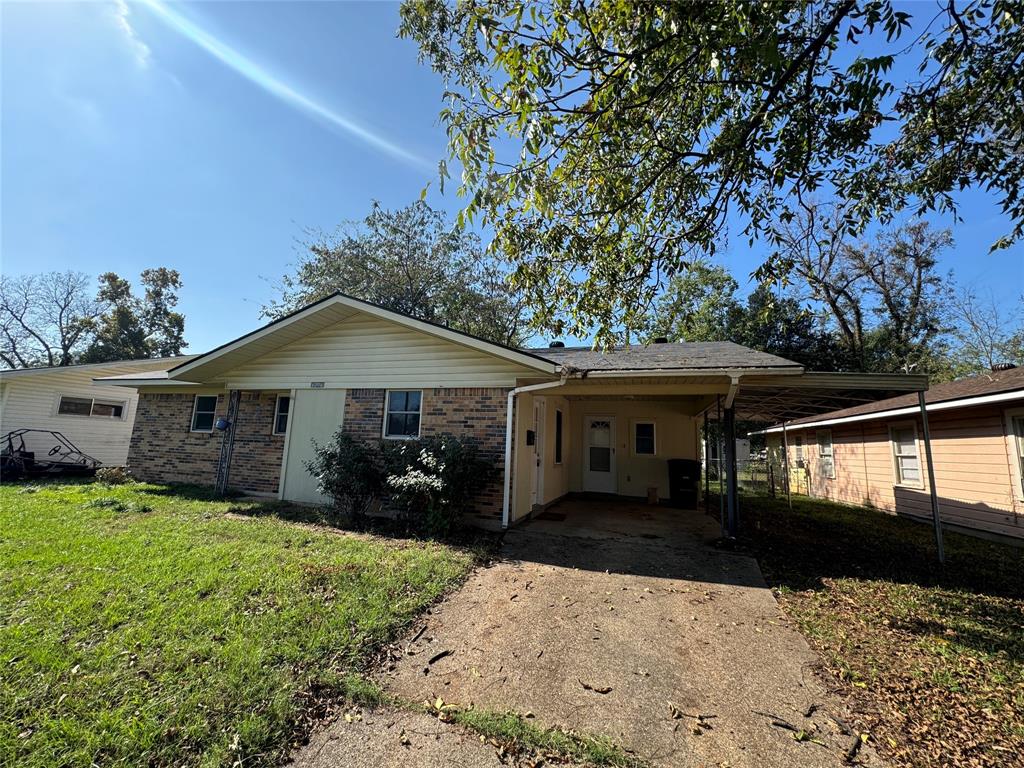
point(468, 412)
point(257, 453)
point(165, 450)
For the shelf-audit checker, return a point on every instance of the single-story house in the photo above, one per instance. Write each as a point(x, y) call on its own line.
point(555, 421)
point(95, 418)
point(872, 454)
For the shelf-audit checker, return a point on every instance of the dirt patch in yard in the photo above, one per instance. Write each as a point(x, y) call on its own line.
point(679, 654)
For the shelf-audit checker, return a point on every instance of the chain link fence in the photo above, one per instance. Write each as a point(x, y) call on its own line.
point(761, 474)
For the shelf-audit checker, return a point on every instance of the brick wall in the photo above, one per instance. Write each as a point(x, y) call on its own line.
point(164, 449)
point(476, 412)
point(257, 453)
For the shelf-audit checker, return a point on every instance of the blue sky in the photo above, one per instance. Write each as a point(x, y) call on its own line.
point(207, 137)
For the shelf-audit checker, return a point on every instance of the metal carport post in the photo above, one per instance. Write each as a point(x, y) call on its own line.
point(932, 490)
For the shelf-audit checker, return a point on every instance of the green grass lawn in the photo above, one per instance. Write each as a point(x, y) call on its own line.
point(144, 626)
point(931, 656)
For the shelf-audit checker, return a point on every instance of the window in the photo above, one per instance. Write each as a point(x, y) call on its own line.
point(86, 406)
point(1018, 441)
point(281, 414)
point(402, 418)
point(643, 438)
point(203, 410)
point(826, 461)
point(798, 447)
point(904, 453)
point(558, 436)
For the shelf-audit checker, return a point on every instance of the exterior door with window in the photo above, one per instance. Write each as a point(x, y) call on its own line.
point(599, 455)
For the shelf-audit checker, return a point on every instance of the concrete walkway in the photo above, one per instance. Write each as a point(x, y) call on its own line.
point(621, 620)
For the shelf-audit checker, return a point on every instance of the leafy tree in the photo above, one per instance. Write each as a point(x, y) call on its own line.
point(45, 319)
point(607, 141)
point(885, 300)
point(985, 334)
point(414, 261)
point(781, 326)
point(131, 327)
point(699, 304)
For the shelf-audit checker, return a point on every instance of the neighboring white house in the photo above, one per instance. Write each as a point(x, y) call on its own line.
point(97, 419)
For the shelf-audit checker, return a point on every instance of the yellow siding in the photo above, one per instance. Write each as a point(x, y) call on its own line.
point(31, 402)
point(675, 438)
point(366, 352)
point(973, 477)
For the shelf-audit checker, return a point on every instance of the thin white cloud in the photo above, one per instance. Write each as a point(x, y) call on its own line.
point(260, 76)
point(139, 49)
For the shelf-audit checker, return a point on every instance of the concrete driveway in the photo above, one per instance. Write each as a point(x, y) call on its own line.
point(622, 620)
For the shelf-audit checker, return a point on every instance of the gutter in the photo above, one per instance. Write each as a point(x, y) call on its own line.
point(509, 427)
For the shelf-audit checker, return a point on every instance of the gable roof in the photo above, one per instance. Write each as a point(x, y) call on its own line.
point(150, 364)
point(961, 393)
point(693, 355)
point(324, 313)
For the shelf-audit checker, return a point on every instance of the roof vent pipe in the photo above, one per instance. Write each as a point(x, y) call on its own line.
point(556, 344)
point(661, 340)
point(997, 367)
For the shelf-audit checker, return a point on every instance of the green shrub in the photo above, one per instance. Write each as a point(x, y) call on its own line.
point(434, 480)
point(113, 476)
point(350, 472)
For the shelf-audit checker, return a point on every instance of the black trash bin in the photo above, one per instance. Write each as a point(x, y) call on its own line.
point(683, 483)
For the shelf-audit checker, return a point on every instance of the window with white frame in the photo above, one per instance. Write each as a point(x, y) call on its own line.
point(798, 448)
point(402, 414)
point(204, 410)
point(1018, 441)
point(643, 438)
point(826, 459)
point(281, 410)
point(89, 406)
point(906, 460)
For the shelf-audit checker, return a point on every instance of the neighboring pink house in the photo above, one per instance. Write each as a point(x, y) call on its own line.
point(873, 454)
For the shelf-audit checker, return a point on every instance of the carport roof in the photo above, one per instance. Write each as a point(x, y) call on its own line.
point(777, 399)
point(710, 355)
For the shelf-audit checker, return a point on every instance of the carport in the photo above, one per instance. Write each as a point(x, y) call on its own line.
point(771, 400)
point(610, 422)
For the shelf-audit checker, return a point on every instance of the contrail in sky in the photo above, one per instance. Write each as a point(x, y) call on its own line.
point(253, 72)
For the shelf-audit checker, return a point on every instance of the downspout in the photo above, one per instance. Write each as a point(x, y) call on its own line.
point(509, 427)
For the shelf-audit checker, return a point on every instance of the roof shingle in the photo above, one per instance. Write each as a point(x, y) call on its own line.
point(672, 356)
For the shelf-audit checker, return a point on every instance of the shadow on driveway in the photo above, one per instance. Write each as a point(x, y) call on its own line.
point(631, 634)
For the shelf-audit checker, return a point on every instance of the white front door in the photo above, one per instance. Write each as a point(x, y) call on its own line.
point(537, 454)
point(599, 457)
point(315, 415)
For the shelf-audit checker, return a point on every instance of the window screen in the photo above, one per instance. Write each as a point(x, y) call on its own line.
point(826, 459)
point(403, 414)
point(203, 413)
point(904, 451)
point(74, 406)
point(643, 438)
point(85, 406)
point(281, 415)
